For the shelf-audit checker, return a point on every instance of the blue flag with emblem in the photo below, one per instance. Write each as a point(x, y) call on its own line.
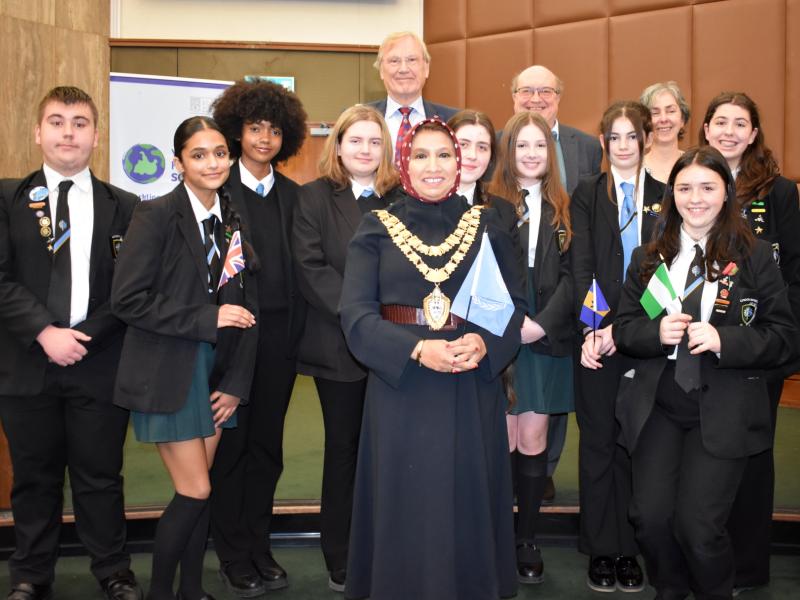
point(483, 298)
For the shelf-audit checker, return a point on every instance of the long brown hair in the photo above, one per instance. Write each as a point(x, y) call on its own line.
point(729, 239)
point(474, 117)
point(330, 165)
point(758, 168)
point(639, 116)
point(504, 182)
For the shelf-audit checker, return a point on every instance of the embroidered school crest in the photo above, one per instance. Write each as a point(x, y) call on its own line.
point(776, 253)
point(748, 309)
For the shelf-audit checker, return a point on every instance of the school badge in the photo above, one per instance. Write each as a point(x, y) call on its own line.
point(116, 244)
point(776, 253)
point(749, 306)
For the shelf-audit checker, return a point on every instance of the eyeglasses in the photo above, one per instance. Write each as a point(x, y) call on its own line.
point(545, 93)
point(396, 61)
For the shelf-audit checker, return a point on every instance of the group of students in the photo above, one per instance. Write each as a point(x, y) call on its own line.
point(218, 293)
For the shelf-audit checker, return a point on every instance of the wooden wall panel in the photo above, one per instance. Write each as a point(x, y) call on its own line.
point(610, 49)
point(756, 67)
point(586, 80)
point(159, 61)
point(636, 60)
point(447, 79)
point(38, 11)
point(445, 20)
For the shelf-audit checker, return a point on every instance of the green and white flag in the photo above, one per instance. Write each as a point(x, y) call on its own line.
point(659, 293)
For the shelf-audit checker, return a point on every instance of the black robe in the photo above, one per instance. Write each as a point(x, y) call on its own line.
point(432, 513)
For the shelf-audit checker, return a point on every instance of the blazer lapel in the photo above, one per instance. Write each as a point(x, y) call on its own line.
point(727, 294)
point(347, 206)
point(569, 148)
point(190, 232)
point(652, 198)
point(28, 206)
point(104, 207)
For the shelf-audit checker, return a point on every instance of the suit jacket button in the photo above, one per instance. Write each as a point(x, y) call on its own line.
point(704, 388)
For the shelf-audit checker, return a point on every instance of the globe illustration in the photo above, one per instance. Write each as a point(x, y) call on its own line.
point(143, 163)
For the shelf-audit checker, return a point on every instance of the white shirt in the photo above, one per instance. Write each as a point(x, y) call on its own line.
point(81, 223)
point(677, 277)
point(249, 180)
point(358, 189)
point(638, 190)
point(534, 203)
point(201, 213)
point(394, 117)
point(555, 129)
point(468, 192)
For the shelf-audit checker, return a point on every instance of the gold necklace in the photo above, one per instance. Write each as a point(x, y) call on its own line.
point(435, 306)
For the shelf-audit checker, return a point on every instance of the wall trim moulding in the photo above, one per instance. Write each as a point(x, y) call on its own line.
point(217, 44)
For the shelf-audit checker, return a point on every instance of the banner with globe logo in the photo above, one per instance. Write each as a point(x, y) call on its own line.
point(145, 110)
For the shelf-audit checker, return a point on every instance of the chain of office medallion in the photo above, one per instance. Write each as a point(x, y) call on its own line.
point(409, 244)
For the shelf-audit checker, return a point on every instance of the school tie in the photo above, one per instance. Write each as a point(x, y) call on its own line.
point(628, 226)
point(59, 294)
point(260, 190)
point(211, 231)
point(366, 193)
point(562, 169)
point(405, 127)
point(687, 366)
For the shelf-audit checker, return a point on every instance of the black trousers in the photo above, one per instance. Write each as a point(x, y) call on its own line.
point(342, 407)
point(750, 523)
point(249, 460)
point(604, 468)
point(682, 496)
point(57, 430)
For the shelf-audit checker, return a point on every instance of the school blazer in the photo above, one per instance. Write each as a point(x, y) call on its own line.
point(596, 240)
point(287, 191)
point(554, 291)
point(25, 264)
point(756, 332)
point(160, 290)
point(432, 109)
point(326, 220)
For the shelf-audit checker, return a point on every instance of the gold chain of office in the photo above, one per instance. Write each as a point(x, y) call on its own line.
point(410, 245)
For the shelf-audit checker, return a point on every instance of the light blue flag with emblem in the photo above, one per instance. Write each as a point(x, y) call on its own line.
point(483, 298)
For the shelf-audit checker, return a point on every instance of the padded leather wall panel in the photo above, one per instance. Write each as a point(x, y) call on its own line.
point(485, 17)
point(554, 12)
point(604, 50)
point(791, 155)
point(444, 20)
point(740, 45)
point(578, 54)
point(493, 60)
point(636, 60)
point(447, 80)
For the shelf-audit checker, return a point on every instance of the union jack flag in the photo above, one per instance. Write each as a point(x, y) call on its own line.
point(234, 259)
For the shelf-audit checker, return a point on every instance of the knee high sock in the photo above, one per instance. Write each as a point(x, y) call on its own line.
point(531, 477)
point(191, 580)
point(174, 529)
point(513, 457)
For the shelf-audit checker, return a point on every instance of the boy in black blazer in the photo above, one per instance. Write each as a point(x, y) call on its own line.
point(265, 124)
point(59, 348)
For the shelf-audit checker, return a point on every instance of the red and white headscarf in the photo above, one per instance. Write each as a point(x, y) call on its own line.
point(405, 158)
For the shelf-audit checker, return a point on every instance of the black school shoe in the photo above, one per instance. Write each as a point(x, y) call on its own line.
point(602, 574)
point(272, 574)
point(337, 579)
point(30, 591)
point(122, 585)
point(530, 566)
point(241, 579)
point(629, 574)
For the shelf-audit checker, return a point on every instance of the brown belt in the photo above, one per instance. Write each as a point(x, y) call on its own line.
point(411, 315)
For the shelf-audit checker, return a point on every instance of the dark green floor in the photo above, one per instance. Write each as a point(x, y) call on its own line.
point(564, 578)
point(146, 481)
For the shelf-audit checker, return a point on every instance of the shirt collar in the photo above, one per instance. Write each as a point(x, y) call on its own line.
point(687, 243)
point(556, 129)
point(82, 180)
point(201, 213)
point(249, 180)
point(358, 189)
point(393, 107)
point(468, 192)
point(637, 181)
point(534, 193)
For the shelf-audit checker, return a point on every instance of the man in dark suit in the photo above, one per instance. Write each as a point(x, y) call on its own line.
point(60, 230)
point(265, 125)
point(538, 89)
point(404, 65)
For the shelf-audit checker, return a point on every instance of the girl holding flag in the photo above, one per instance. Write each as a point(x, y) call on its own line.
point(694, 404)
point(432, 510)
point(611, 214)
point(182, 288)
point(527, 174)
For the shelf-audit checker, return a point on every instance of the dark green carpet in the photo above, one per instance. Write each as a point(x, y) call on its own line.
point(565, 573)
point(147, 483)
